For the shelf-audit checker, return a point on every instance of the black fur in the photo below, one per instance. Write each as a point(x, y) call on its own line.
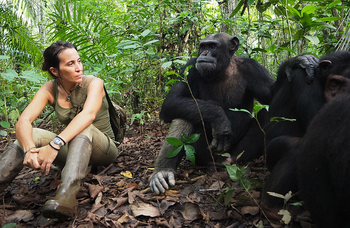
point(234, 82)
point(297, 94)
point(323, 160)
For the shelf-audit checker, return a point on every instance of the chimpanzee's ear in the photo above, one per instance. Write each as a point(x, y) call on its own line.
point(234, 45)
point(334, 85)
point(324, 64)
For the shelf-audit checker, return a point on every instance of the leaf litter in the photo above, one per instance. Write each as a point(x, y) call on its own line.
point(119, 196)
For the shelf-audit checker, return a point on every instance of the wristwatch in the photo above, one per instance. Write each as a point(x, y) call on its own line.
point(58, 142)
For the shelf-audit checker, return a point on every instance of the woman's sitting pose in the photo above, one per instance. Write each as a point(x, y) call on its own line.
point(81, 105)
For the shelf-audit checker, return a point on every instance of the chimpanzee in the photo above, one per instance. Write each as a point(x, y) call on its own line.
point(333, 75)
point(218, 81)
point(323, 158)
point(297, 94)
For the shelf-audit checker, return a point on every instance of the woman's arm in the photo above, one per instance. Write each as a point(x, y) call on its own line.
point(93, 103)
point(24, 129)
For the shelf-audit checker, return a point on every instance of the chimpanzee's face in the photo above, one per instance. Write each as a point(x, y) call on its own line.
point(214, 54)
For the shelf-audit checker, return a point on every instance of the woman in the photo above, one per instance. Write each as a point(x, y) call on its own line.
point(80, 103)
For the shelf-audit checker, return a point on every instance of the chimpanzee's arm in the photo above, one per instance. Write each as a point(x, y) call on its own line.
point(179, 103)
point(260, 81)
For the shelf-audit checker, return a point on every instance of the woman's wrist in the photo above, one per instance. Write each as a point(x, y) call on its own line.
point(31, 148)
point(56, 147)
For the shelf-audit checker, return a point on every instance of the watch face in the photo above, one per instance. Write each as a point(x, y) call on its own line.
point(58, 141)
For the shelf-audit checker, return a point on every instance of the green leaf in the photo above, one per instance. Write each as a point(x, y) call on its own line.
point(332, 4)
point(14, 116)
point(239, 6)
point(9, 75)
point(32, 76)
point(287, 49)
point(245, 183)
point(232, 172)
point(184, 137)
point(250, 2)
point(150, 42)
point(296, 204)
point(5, 124)
point(133, 46)
point(313, 39)
point(309, 9)
point(166, 64)
point(172, 81)
point(240, 110)
point(328, 19)
point(293, 11)
point(173, 151)
point(258, 107)
point(193, 138)
point(278, 119)
point(10, 225)
point(3, 133)
point(226, 155)
point(125, 43)
point(145, 33)
point(190, 153)
point(4, 57)
point(228, 197)
point(174, 141)
point(179, 61)
point(259, 50)
point(221, 196)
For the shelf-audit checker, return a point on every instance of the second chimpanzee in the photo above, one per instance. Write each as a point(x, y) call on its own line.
point(218, 81)
point(320, 149)
point(298, 96)
point(323, 158)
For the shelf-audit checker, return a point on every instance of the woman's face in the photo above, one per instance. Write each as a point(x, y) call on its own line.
point(70, 67)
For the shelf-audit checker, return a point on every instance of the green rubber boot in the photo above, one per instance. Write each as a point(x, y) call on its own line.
point(11, 163)
point(65, 203)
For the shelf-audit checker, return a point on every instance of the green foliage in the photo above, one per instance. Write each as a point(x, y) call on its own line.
point(236, 174)
point(139, 116)
point(178, 145)
point(10, 225)
point(138, 47)
point(17, 89)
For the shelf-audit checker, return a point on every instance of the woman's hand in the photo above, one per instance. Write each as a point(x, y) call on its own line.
point(40, 158)
point(31, 159)
point(46, 156)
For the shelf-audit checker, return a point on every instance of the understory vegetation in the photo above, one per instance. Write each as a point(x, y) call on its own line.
point(138, 47)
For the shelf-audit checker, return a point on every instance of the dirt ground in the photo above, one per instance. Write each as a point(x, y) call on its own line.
point(118, 195)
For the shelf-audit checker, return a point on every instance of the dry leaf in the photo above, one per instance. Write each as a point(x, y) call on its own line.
point(127, 174)
point(171, 192)
point(250, 210)
point(189, 211)
point(132, 185)
point(145, 209)
point(286, 216)
point(94, 190)
point(124, 219)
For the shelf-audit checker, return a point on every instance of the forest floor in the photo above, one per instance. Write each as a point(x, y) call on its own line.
point(118, 195)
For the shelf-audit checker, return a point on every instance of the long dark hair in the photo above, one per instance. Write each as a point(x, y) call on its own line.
point(51, 53)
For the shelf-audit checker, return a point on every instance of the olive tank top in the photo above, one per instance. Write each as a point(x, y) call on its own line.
point(78, 98)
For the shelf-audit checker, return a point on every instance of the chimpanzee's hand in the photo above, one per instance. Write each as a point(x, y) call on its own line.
point(221, 136)
point(161, 179)
point(308, 62)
